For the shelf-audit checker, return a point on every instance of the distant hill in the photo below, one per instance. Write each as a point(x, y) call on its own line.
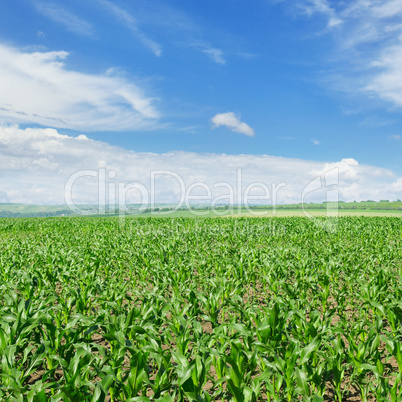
point(26, 210)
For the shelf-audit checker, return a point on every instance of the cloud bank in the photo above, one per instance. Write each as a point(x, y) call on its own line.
point(36, 164)
point(38, 88)
point(233, 122)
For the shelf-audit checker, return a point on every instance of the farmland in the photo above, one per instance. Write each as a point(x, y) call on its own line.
point(363, 208)
point(242, 309)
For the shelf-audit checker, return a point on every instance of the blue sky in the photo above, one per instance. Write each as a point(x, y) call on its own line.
point(313, 80)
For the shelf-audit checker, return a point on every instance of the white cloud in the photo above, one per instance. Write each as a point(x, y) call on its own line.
point(368, 51)
point(61, 16)
point(233, 122)
point(38, 88)
point(131, 23)
point(388, 9)
point(170, 22)
point(36, 163)
point(322, 7)
point(315, 142)
point(387, 82)
point(375, 122)
point(394, 137)
point(215, 54)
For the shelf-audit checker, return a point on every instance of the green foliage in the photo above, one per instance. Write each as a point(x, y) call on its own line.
point(199, 310)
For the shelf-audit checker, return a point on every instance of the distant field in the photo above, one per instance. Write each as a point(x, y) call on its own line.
point(270, 213)
point(320, 212)
point(26, 208)
point(369, 208)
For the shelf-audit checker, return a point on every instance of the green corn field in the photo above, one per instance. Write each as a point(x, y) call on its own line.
point(229, 309)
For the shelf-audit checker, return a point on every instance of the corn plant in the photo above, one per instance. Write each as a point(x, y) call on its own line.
point(200, 309)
